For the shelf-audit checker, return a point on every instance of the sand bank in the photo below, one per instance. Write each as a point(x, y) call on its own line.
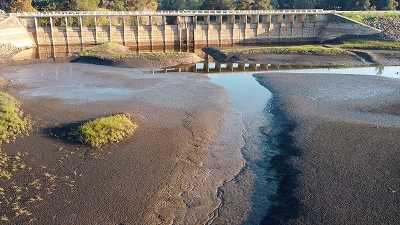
point(187, 144)
point(343, 164)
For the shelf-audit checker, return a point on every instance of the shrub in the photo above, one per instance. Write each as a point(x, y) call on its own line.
point(12, 121)
point(105, 130)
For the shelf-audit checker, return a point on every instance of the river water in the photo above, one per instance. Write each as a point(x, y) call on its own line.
point(247, 198)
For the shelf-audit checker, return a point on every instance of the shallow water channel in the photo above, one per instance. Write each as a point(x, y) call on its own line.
point(248, 197)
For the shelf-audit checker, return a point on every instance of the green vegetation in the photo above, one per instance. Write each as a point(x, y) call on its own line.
point(359, 43)
point(105, 130)
point(112, 51)
point(12, 124)
point(303, 49)
point(362, 17)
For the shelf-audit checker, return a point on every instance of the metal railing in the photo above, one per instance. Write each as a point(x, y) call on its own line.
point(170, 13)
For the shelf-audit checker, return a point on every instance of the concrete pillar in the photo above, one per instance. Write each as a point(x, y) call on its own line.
point(96, 41)
point(264, 67)
point(207, 20)
point(254, 19)
point(80, 26)
point(289, 18)
point(218, 66)
point(266, 19)
point(278, 18)
point(241, 67)
point(219, 19)
point(123, 30)
point(243, 19)
point(151, 32)
point(311, 18)
point(206, 66)
point(109, 29)
point(229, 66)
point(36, 30)
point(301, 18)
point(231, 19)
point(66, 32)
point(51, 31)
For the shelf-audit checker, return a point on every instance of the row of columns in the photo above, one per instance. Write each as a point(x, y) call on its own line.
point(229, 67)
point(231, 19)
point(181, 21)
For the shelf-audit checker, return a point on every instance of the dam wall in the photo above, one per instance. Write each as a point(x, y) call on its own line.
point(188, 29)
point(13, 36)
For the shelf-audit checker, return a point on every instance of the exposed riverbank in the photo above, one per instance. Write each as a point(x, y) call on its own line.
point(342, 166)
point(359, 57)
point(186, 145)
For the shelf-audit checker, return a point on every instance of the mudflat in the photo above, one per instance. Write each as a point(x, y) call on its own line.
point(342, 163)
point(186, 145)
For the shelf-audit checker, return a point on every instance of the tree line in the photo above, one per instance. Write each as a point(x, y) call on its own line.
point(150, 5)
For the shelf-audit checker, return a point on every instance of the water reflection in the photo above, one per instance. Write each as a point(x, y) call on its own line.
point(215, 67)
point(218, 67)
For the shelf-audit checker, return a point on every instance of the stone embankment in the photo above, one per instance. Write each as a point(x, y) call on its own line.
point(390, 28)
point(13, 36)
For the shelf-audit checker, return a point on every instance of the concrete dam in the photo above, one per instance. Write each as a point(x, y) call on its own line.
point(186, 29)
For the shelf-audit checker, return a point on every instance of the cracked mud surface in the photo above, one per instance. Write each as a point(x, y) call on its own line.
point(169, 171)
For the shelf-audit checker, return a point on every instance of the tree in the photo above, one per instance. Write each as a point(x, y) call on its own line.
point(362, 5)
point(333, 4)
point(261, 5)
point(304, 4)
point(21, 6)
point(385, 4)
point(86, 5)
point(242, 4)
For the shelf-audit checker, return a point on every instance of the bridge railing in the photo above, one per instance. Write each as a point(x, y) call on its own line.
point(170, 13)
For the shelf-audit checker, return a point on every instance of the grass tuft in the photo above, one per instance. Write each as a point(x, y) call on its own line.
point(359, 43)
point(12, 121)
point(362, 17)
point(105, 130)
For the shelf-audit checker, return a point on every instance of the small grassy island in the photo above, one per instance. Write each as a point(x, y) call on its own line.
point(106, 130)
point(113, 51)
point(114, 54)
point(300, 49)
